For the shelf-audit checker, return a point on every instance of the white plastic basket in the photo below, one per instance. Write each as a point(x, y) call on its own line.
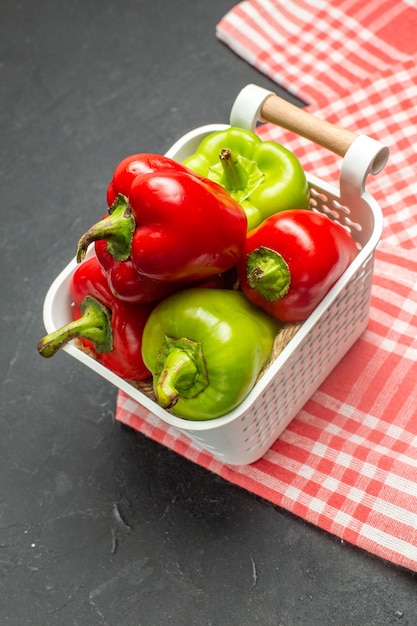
point(245, 434)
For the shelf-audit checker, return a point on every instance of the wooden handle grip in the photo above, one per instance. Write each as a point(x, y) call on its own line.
point(283, 113)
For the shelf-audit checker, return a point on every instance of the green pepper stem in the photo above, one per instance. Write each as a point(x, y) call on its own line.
point(268, 273)
point(181, 371)
point(239, 175)
point(94, 324)
point(235, 174)
point(116, 228)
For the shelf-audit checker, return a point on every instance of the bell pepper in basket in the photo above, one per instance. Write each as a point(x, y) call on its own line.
point(129, 285)
point(174, 226)
point(292, 260)
point(110, 329)
point(205, 349)
point(124, 280)
point(263, 176)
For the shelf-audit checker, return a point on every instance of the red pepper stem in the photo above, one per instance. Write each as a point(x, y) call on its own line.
point(268, 273)
point(116, 228)
point(181, 371)
point(235, 174)
point(94, 324)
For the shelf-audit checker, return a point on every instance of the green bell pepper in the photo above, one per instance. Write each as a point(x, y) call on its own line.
point(263, 176)
point(205, 349)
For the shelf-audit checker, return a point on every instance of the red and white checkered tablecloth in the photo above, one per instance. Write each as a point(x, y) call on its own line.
point(320, 49)
point(348, 461)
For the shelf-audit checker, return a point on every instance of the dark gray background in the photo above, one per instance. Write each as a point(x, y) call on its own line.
point(98, 525)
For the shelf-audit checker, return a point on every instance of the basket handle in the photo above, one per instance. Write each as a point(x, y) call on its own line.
point(255, 104)
point(288, 116)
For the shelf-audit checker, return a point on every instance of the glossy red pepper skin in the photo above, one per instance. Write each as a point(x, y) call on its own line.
point(126, 283)
point(187, 228)
point(127, 321)
point(124, 280)
point(111, 330)
point(312, 252)
point(135, 165)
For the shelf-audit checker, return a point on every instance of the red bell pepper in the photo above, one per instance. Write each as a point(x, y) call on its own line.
point(291, 261)
point(111, 329)
point(173, 225)
point(124, 280)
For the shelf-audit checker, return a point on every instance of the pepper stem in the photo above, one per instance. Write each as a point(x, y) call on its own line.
point(268, 273)
point(116, 228)
point(236, 177)
point(94, 324)
point(239, 175)
point(180, 371)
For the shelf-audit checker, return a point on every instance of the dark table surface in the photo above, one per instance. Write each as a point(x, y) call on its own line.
point(99, 525)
